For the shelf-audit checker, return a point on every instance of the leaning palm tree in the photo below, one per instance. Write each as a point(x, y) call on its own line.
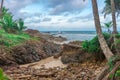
point(107, 52)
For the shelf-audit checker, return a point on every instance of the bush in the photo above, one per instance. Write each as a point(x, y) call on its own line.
point(93, 45)
point(9, 24)
point(10, 40)
point(2, 76)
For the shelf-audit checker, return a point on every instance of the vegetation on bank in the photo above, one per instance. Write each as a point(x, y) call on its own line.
point(3, 76)
point(10, 40)
point(11, 32)
point(93, 46)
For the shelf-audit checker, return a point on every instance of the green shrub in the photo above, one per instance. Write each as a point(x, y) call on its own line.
point(117, 74)
point(9, 24)
point(117, 35)
point(2, 76)
point(10, 40)
point(93, 45)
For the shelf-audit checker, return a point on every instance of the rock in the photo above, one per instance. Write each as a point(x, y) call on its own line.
point(32, 51)
point(74, 53)
point(34, 33)
point(5, 57)
point(44, 36)
point(51, 48)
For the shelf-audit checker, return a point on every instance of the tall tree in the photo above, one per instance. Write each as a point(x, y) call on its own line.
point(2, 4)
point(107, 9)
point(107, 52)
point(112, 7)
point(113, 16)
point(1, 7)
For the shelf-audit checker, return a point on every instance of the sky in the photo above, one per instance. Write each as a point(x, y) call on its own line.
point(57, 15)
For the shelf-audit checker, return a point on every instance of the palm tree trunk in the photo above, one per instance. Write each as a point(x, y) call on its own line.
point(1, 7)
point(113, 16)
point(107, 52)
point(2, 4)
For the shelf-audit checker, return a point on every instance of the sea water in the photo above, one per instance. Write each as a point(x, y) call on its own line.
point(74, 35)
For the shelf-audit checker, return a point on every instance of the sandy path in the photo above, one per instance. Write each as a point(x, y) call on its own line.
point(49, 62)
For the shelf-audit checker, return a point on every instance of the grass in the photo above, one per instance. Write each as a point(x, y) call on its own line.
point(10, 40)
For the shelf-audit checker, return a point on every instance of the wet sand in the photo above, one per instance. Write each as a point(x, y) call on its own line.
point(46, 63)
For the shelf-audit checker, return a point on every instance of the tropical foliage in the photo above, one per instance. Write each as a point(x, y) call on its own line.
point(108, 25)
point(93, 46)
point(107, 9)
point(2, 76)
point(10, 40)
point(9, 24)
point(20, 25)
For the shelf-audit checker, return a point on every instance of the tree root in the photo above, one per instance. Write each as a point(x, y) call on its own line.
point(103, 73)
point(108, 75)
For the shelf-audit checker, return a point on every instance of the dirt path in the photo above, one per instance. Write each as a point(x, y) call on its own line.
point(46, 63)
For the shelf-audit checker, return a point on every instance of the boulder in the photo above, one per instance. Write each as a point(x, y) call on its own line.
point(32, 51)
point(5, 57)
point(74, 54)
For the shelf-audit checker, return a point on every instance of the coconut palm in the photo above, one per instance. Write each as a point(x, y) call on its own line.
point(108, 25)
point(112, 7)
point(1, 7)
point(7, 23)
point(20, 25)
point(107, 9)
point(113, 16)
point(106, 50)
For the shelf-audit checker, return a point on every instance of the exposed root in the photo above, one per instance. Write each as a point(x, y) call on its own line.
point(103, 73)
point(107, 77)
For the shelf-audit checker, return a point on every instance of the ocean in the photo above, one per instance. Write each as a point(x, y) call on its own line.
point(73, 35)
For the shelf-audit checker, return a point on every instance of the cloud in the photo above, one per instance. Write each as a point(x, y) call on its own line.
point(46, 19)
point(55, 7)
point(16, 5)
point(61, 6)
point(87, 17)
point(33, 19)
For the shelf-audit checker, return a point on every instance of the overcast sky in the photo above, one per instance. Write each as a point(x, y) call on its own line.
point(50, 15)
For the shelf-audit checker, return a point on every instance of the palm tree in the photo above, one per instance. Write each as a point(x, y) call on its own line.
point(108, 25)
point(2, 4)
point(113, 16)
point(112, 6)
point(107, 9)
point(1, 7)
point(107, 52)
point(20, 25)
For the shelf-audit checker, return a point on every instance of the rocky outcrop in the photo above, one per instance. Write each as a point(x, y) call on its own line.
point(5, 56)
point(29, 51)
point(34, 33)
point(74, 54)
point(32, 51)
point(44, 36)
